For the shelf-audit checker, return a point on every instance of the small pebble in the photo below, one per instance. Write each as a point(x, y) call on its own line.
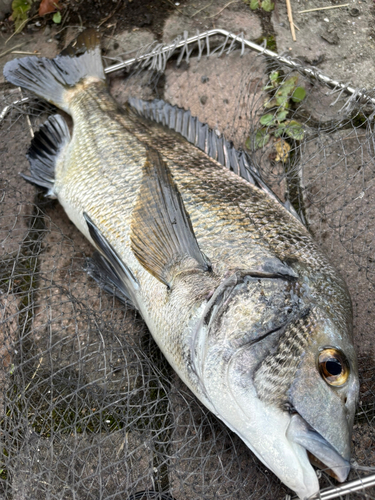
point(203, 99)
point(326, 19)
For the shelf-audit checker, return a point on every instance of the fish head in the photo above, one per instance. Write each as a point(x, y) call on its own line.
point(323, 396)
point(290, 392)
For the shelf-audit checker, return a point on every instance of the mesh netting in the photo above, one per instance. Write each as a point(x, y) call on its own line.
point(89, 407)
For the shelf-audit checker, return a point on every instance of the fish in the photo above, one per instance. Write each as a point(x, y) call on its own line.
point(244, 305)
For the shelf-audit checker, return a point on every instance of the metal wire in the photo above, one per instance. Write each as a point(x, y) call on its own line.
point(206, 35)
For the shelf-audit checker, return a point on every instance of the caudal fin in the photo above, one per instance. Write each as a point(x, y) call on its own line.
point(50, 78)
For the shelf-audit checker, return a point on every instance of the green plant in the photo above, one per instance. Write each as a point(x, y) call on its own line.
point(266, 5)
point(276, 124)
point(20, 9)
point(56, 18)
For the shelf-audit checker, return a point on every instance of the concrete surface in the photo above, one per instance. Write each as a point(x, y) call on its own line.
point(340, 42)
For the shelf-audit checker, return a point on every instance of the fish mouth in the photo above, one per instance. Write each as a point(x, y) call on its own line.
point(320, 452)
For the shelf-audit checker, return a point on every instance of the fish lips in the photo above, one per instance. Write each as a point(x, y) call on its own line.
point(300, 432)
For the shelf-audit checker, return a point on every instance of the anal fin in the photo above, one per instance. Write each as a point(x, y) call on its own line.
point(45, 150)
point(162, 236)
point(115, 271)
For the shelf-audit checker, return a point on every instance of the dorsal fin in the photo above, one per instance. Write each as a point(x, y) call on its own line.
point(206, 139)
point(162, 236)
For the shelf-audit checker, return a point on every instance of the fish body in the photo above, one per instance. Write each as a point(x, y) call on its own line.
point(241, 301)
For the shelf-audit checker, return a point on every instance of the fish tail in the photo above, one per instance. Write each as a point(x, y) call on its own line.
point(50, 79)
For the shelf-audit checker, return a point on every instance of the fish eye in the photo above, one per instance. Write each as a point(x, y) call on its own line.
point(333, 366)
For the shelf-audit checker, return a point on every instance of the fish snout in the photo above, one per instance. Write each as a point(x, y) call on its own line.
point(321, 452)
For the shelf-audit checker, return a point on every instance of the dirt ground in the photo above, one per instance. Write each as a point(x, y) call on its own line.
point(338, 42)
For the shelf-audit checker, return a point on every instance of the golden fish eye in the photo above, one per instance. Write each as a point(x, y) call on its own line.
point(333, 366)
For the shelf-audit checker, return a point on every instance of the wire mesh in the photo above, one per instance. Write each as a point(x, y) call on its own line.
point(89, 407)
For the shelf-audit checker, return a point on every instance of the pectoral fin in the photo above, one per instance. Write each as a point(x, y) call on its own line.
point(162, 235)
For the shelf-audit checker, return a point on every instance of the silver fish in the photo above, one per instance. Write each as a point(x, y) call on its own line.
point(243, 304)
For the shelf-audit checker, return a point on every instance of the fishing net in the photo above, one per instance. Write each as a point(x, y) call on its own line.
point(89, 408)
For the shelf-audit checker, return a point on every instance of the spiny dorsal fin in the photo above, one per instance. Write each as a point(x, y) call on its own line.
point(206, 139)
point(44, 151)
point(162, 235)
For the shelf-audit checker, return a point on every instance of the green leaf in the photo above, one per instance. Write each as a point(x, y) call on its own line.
point(267, 5)
point(282, 100)
point(254, 4)
point(294, 130)
point(270, 103)
point(274, 81)
point(299, 94)
point(274, 76)
point(56, 18)
point(287, 87)
point(20, 8)
point(261, 138)
point(280, 130)
point(280, 117)
point(267, 120)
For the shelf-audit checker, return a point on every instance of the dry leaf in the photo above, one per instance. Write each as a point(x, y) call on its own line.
point(48, 6)
point(282, 148)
